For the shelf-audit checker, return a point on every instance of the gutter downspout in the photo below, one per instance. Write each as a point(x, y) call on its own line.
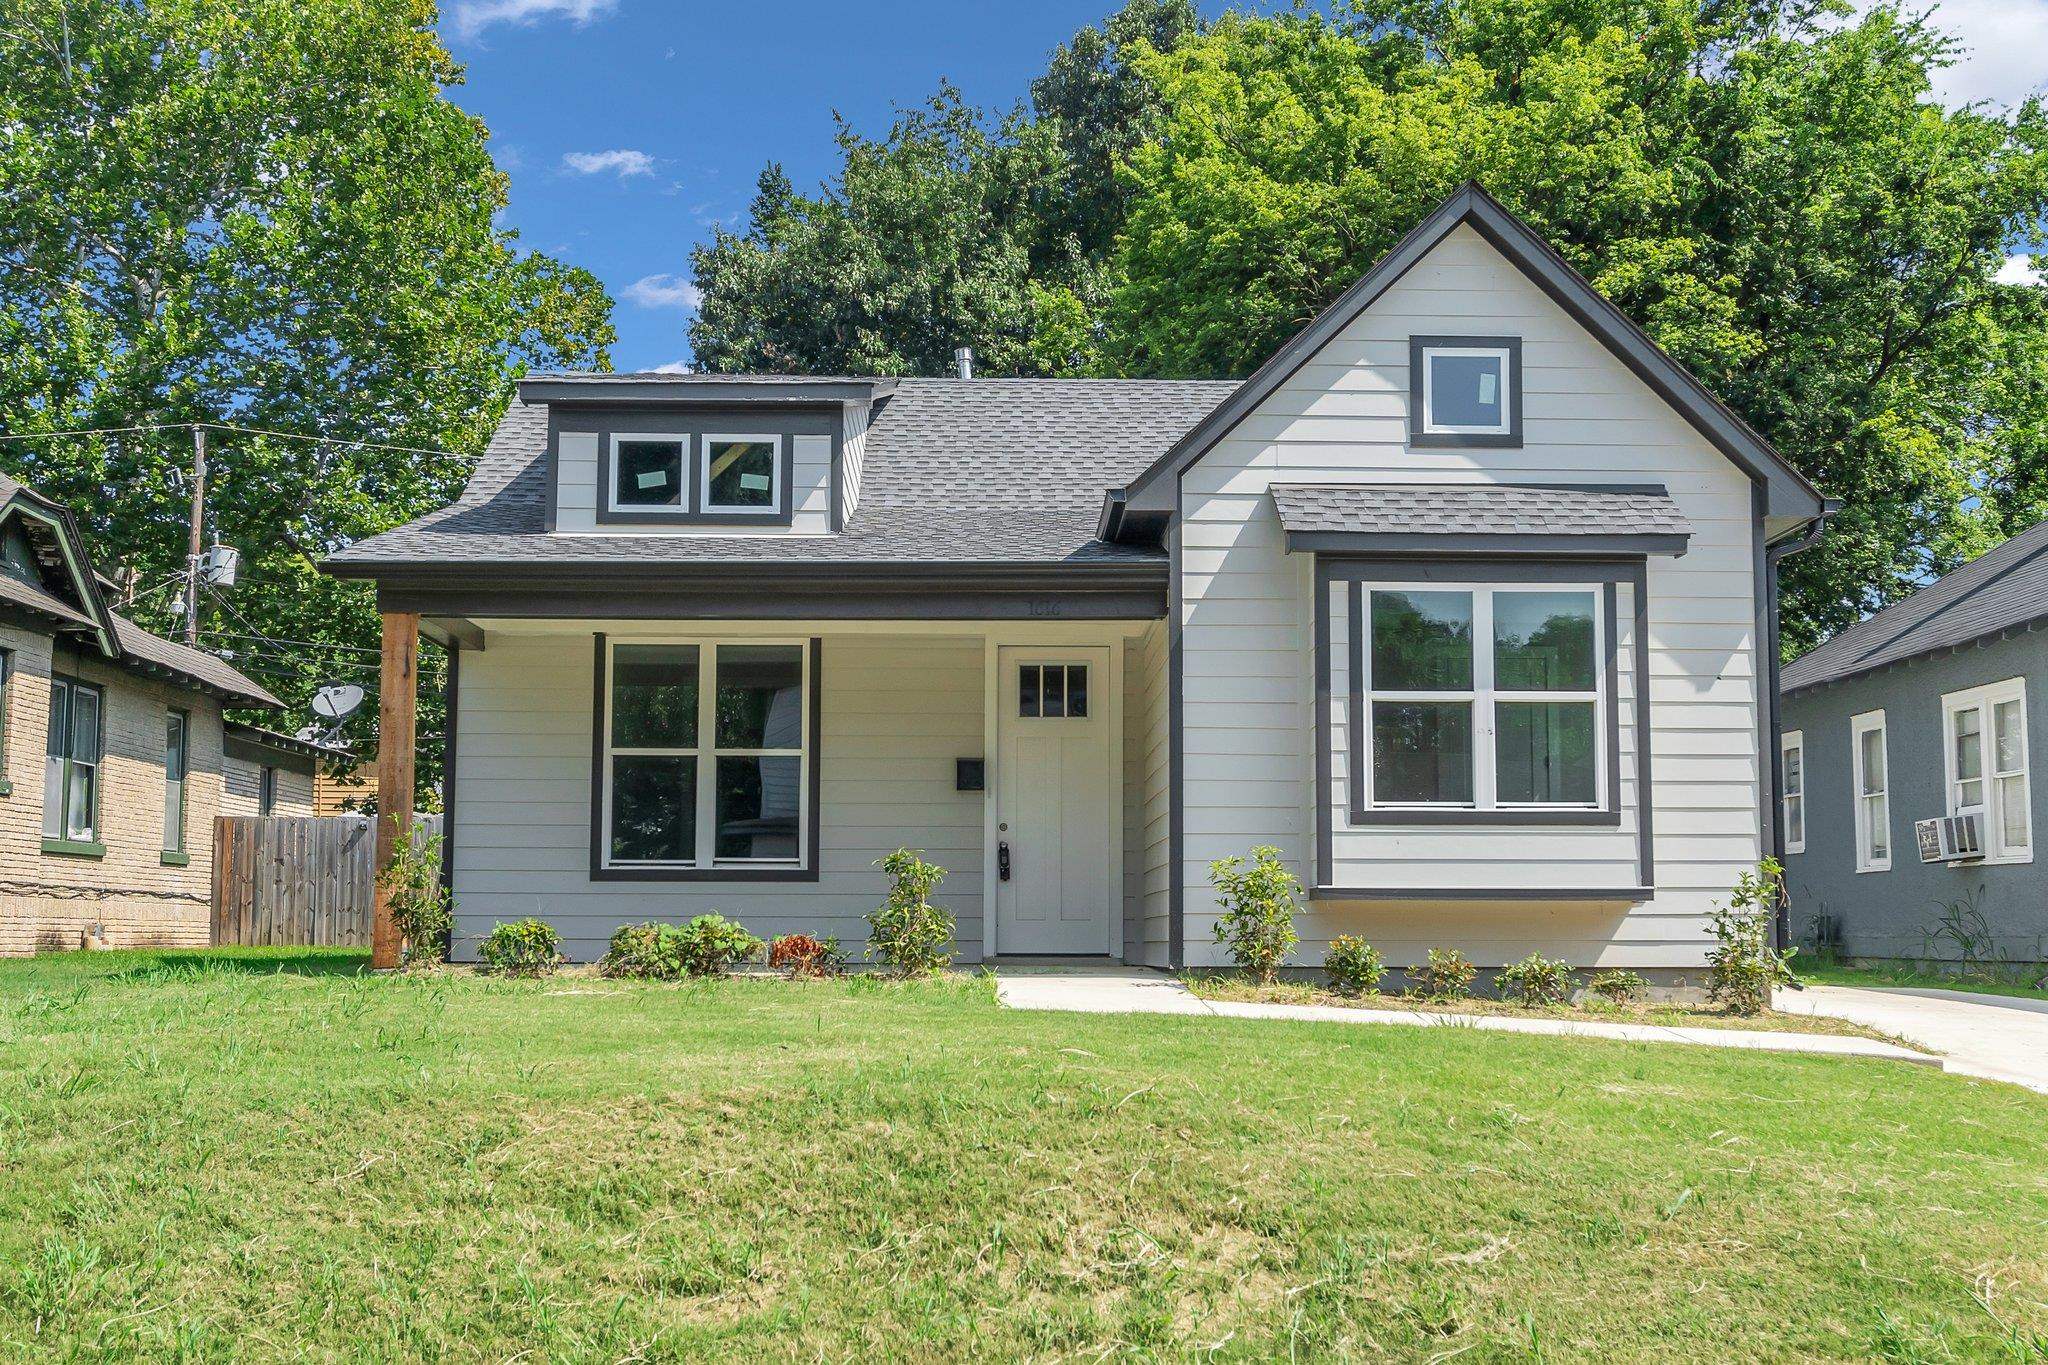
point(1782, 923)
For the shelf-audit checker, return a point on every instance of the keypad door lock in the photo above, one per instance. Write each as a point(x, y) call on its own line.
point(1003, 860)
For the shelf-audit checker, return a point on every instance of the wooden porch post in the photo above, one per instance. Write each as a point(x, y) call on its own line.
point(397, 729)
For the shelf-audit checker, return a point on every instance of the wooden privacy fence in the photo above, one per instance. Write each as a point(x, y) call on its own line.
point(296, 879)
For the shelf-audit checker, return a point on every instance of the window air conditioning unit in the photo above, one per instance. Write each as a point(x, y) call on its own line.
point(1950, 838)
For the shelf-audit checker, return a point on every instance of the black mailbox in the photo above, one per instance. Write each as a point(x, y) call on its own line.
point(967, 774)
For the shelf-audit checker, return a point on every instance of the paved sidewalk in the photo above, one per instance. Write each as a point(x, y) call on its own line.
point(1997, 1037)
point(1135, 991)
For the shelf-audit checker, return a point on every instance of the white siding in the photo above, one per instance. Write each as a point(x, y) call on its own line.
point(1248, 635)
point(1146, 818)
point(576, 481)
point(852, 453)
point(896, 713)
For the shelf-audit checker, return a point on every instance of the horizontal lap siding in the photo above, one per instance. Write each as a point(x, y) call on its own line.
point(1248, 640)
point(1147, 819)
point(896, 713)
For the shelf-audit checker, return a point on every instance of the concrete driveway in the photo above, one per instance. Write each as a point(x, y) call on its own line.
point(1998, 1037)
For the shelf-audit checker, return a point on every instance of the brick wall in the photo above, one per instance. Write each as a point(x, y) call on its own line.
point(47, 900)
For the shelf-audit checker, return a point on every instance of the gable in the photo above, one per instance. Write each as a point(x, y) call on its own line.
point(46, 569)
point(1470, 268)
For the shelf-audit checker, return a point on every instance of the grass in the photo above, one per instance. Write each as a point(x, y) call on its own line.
point(2011, 982)
point(1669, 1014)
point(266, 1155)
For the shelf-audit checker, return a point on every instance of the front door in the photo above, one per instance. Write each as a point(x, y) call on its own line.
point(1053, 802)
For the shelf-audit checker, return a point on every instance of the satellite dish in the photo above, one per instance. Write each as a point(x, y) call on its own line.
point(337, 701)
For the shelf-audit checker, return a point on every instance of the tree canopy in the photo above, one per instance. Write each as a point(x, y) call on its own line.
point(1769, 189)
point(264, 213)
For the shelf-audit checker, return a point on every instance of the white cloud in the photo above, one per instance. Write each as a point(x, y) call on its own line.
point(474, 16)
point(623, 160)
point(676, 367)
point(662, 291)
point(2019, 270)
point(1999, 43)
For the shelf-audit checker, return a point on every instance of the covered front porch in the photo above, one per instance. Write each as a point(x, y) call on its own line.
point(603, 772)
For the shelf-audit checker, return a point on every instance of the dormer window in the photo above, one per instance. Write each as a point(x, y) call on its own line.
point(1464, 391)
point(698, 477)
point(648, 471)
point(741, 474)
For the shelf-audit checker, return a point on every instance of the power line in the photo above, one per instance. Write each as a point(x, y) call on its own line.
point(238, 431)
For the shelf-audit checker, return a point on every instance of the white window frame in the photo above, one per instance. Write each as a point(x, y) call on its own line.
point(1791, 742)
point(58, 781)
point(1859, 725)
point(174, 821)
point(706, 753)
point(1990, 811)
point(1432, 427)
point(707, 507)
point(1484, 698)
point(681, 508)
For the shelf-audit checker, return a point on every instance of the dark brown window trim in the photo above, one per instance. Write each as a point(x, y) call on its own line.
point(689, 513)
point(814, 712)
point(1469, 570)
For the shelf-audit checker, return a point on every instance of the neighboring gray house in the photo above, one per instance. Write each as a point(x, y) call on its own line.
point(1923, 712)
point(1422, 603)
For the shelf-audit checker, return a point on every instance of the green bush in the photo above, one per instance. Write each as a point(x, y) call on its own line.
point(1619, 987)
point(524, 947)
point(1536, 981)
point(1446, 975)
point(907, 932)
point(420, 905)
point(711, 944)
point(1259, 902)
point(1743, 967)
point(647, 952)
point(1354, 966)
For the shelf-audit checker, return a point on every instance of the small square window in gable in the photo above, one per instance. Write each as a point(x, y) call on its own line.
point(1464, 391)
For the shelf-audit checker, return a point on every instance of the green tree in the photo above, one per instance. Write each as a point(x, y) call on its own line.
point(1769, 190)
point(954, 228)
point(267, 213)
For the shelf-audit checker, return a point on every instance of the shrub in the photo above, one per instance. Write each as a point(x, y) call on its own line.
point(648, 952)
point(710, 944)
point(1537, 980)
point(1447, 975)
point(907, 932)
point(802, 955)
point(420, 906)
point(524, 947)
point(1258, 902)
point(1619, 987)
point(1354, 965)
point(1743, 967)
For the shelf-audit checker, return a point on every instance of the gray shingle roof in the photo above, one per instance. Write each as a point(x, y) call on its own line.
point(191, 665)
point(961, 471)
point(2002, 588)
point(1437, 509)
point(37, 599)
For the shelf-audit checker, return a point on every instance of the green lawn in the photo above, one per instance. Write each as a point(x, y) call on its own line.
point(267, 1155)
point(1902, 974)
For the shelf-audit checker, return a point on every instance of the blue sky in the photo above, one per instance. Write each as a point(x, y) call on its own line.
point(630, 128)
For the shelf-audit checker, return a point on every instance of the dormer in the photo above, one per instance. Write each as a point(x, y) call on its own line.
point(721, 455)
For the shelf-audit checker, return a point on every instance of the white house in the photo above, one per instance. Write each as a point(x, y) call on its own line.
point(1463, 601)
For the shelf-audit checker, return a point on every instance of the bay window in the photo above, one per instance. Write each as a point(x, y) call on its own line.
point(1483, 697)
point(1984, 734)
point(706, 755)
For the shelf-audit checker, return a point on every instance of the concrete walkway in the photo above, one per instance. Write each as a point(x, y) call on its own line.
point(1109, 990)
point(1997, 1037)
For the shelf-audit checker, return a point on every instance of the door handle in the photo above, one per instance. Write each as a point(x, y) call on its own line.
point(1003, 860)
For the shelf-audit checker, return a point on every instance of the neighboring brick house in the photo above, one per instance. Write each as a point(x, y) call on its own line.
point(111, 752)
point(268, 772)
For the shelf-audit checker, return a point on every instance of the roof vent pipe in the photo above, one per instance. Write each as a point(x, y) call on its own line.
point(963, 361)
